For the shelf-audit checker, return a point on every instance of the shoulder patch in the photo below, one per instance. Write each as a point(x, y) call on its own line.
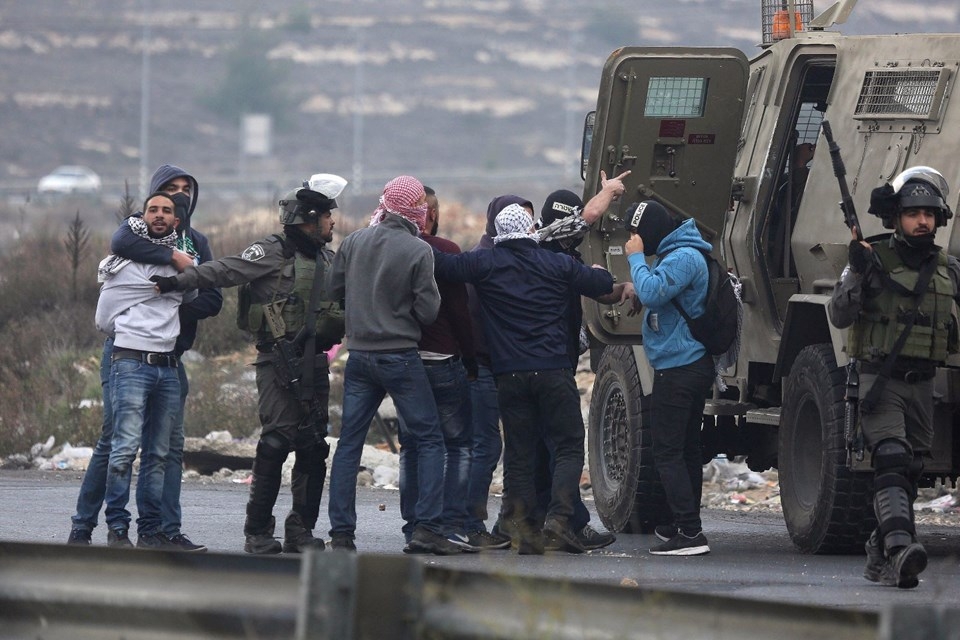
point(253, 253)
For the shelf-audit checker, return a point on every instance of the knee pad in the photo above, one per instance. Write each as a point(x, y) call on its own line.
point(892, 456)
point(273, 446)
point(312, 458)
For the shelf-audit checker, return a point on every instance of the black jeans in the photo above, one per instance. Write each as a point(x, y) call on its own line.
point(535, 404)
point(679, 395)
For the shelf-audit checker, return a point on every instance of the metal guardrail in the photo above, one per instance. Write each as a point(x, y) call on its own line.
point(54, 592)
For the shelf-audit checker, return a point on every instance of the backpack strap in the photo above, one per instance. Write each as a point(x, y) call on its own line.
point(673, 301)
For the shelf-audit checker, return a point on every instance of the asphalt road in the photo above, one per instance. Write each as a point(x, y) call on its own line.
point(751, 553)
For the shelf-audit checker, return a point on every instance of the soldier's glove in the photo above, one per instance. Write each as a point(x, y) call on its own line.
point(859, 257)
point(164, 283)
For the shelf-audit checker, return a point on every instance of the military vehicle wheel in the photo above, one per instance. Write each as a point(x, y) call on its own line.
point(827, 508)
point(626, 487)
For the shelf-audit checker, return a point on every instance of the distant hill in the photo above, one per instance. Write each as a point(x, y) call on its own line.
point(481, 95)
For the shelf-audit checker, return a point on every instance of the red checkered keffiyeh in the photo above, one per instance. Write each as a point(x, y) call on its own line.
point(400, 196)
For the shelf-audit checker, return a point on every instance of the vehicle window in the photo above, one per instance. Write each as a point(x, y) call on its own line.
point(675, 97)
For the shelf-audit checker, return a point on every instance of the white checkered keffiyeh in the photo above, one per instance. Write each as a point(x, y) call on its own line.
point(514, 223)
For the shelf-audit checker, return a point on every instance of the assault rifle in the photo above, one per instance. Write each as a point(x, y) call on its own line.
point(851, 432)
point(846, 200)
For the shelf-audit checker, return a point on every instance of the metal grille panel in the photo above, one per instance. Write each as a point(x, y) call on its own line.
point(675, 97)
point(910, 93)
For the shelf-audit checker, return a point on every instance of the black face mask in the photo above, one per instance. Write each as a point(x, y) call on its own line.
point(182, 203)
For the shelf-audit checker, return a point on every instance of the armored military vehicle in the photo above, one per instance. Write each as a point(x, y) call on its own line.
point(737, 144)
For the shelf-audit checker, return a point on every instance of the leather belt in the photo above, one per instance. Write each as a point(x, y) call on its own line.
point(432, 363)
point(910, 376)
point(156, 359)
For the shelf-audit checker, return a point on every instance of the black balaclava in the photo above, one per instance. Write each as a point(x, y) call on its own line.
point(652, 222)
point(559, 205)
point(164, 174)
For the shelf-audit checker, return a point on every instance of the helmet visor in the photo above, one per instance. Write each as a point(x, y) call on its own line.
point(923, 174)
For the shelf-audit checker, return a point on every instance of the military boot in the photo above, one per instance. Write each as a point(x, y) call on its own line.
point(262, 542)
point(906, 564)
point(296, 537)
point(875, 559)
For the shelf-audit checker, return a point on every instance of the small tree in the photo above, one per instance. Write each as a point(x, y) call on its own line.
point(76, 243)
point(128, 205)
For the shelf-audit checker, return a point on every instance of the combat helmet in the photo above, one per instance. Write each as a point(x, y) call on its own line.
point(317, 195)
point(916, 187)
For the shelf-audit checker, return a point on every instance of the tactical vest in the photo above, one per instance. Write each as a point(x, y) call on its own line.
point(883, 317)
point(291, 308)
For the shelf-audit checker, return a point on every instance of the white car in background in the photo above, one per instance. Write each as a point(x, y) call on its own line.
point(69, 179)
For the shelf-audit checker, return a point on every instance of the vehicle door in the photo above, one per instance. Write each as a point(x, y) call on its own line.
point(672, 117)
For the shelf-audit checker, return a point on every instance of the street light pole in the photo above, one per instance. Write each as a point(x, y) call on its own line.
point(144, 102)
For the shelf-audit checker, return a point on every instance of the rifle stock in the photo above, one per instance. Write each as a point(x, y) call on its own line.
point(846, 200)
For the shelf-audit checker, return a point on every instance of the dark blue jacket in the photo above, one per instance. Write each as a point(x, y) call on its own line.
point(127, 244)
point(524, 294)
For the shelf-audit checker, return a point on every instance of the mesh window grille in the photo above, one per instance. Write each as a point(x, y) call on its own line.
point(675, 97)
point(910, 93)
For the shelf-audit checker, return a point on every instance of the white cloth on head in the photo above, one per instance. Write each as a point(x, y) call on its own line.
point(514, 223)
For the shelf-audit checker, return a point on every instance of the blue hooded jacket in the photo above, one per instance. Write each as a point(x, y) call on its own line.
point(679, 272)
point(127, 244)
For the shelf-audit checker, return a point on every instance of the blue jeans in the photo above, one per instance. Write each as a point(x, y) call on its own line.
point(94, 484)
point(368, 377)
point(448, 380)
point(95, 479)
point(146, 401)
point(487, 446)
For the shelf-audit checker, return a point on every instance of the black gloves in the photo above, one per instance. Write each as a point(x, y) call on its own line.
point(165, 283)
point(859, 257)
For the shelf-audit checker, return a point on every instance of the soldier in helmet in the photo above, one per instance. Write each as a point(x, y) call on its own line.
point(896, 295)
point(284, 280)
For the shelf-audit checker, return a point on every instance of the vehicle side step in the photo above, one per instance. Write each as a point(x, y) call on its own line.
point(768, 415)
point(720, 407)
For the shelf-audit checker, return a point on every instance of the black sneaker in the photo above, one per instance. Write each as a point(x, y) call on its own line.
point(463, 541)
point(484, 540)
point(79, 536)
point(343, 543)
point(904, 566)
point(153, 541)
point(118, 538)
point(665, 532)
point(262, 544)
point(557, 537)
point(591, 539)
point(682, 545)
point(426, 541)
point(181, 542)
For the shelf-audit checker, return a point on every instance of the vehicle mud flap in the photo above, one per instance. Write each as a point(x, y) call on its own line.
point(626, 487)
point(826, 507)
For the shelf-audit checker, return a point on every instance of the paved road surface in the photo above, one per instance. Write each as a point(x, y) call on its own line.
point(752, 556)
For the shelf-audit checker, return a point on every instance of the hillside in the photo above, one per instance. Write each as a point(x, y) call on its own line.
point(481, 95)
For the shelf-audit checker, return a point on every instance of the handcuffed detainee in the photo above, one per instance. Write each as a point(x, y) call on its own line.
point(283, 305)
point(897, 295)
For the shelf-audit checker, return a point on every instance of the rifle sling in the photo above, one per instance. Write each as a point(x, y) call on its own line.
point(918, 292)
point(310, 328)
